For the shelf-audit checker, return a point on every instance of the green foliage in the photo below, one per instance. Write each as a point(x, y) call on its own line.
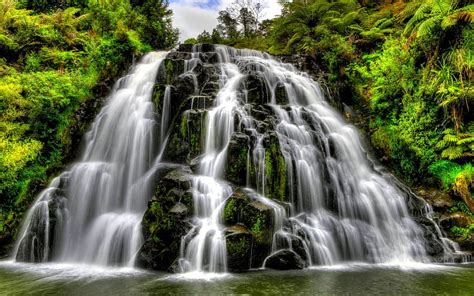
point(257, 229)
point(53, 56)
point(461, 207)
point(462, 233)
point(448, 171)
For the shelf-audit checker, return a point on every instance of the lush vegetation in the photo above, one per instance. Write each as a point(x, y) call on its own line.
point(55, 57)
point(410, 62)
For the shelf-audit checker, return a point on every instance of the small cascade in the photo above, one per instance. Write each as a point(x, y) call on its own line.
point(97, 206)
point(207, 250)
point(165, 115)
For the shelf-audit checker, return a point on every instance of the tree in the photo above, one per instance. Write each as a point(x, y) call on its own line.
point(227, 25)
point(248, 22)
point(204, 37)
point(249, 14)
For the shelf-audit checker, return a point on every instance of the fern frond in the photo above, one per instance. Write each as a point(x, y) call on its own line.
point(453, 152)
point(427, 27)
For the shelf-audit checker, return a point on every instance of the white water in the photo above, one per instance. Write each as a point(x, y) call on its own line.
point(206, 251)
point(342, 209)
point(103, 197)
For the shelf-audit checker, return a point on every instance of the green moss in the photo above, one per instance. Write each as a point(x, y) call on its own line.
point(169, 68)
point(282, 177)
point(257, 229)
point(239, 247)
point(230, 210)
point(184, 125)
point(268, 164)
point(158, 95)
point(462, 233)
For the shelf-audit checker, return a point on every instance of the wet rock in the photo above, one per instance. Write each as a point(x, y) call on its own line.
point(201, 102)
point(166, 220)
point(281, 97)
point(255, 216)
point(209, 57)
point(186, 140)
point(275, 169)
point(238, 159)
point(257, 92)
point(169, 71)
point(179, 55)
point(185, 47)
point(208, 78)
point(204, 47)
point(239, 242)
point(433, 246)
point(180, 210)
point(438, 199)
point(284, 260)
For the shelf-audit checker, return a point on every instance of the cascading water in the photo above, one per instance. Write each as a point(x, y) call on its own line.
point(98, 205)
point(342, 209)
point(335, 205)
point(207, 250)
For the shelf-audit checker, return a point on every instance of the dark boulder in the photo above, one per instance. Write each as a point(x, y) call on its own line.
point(284, 260)
point(185, 47)
point(166, 220)
point(238, 159)
point(239, 242)
point(257, 92)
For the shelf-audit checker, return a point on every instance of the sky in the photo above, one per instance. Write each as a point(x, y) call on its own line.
point(192, 17)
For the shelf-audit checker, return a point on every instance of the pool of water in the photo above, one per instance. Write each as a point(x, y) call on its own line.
point(354, 279)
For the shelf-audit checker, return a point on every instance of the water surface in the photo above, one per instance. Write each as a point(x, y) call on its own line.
point(357, 279)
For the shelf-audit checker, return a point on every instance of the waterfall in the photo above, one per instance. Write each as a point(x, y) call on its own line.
point(98, 205)
point(335, 205)
point(207, 250)
point(341, 207)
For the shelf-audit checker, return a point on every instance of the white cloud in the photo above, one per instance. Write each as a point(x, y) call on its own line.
point(191, 18)
point(271, 8)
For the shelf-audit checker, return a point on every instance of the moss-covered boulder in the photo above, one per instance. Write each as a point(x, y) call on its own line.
point(186, 140)
point(166, 220)
point(239, 165)
point(257, 218)
point(275, 169)
point(239, 242)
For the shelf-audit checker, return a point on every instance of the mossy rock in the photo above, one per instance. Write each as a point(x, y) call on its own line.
point(186, 140)
point(275, 170)
point(239, 242)
point(170, 70)
point(238, 160)
point(255, 216)
point(166, 220)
